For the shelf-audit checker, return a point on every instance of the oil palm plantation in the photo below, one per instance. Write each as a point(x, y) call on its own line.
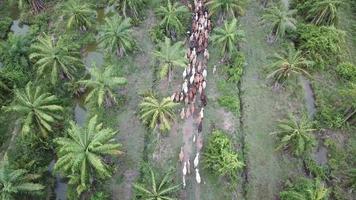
point(173, 16)
point(156, 189)
point(324, 12)
point(155, 112)
point(116, 35)
point(280, 19)
point(55, 57)
point(78, 14)
point(81, 154)
point(227, 37)
point(169, 56)
point(295, 134)
point(39, 110)
point(129, 7)
point(102, 83)
point(16, 181)
point(288, 63)
point(229, 8)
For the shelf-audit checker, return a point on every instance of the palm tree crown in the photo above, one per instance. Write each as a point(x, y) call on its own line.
point(78, 14)
point(37, 108)
point(14, 181)
point(156, 190)
point(288, 63)
point(82, 152)
point(102, 82)
point(280, 19)
point(116, 35)
point(172, 16)
point(55, 57)
point(324, 12)
point(228, 36)
point(227, 7)
point(155, 113)
point(127, 7)
point(295, 135)
point(170, 55)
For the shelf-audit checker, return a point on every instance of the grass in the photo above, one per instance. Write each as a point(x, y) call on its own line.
point(266, 168)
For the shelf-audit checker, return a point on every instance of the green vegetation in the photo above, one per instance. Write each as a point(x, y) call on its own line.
point(55, 56)
point(320, 12)
point(220, 157)
point(227, 37)
point(280, 19)
point(287, 64)
point(322, 44)
point(15, 181)
point(228, 8)
point(155, 112)
point(295, 134)
point(81, 155)
point(154, 188)
point(77, 121)
point(102, 84)
point(169, 55)
point(116, 35)
point(305, 189)
point(78, 15)
point(38, 110)
point(173, 16)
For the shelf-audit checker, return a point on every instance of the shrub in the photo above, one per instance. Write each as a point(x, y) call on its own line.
point(322, 44)
point(231, 103)
point(220, 156)
point(235, 68)
point(304, 188)
point(5, 25)
point(346, 71)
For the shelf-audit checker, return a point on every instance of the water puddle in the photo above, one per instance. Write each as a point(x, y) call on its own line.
point(308, 96)
point(61, 185)
point(321, 155)
point(80, 114)
point(18, 28)
point(93, 56)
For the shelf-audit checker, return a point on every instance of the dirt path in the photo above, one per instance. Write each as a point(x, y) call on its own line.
point(131, 130)
point(266, 168)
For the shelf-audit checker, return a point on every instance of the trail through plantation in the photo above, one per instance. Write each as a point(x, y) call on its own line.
point(266, 168)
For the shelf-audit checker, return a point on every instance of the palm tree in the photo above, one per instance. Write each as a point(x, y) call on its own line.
point(78, 14)
point(155, 190)
point(81, 155)
point(307, 190)
point(15, 181)
point(116, 35)
point(227, 37)
point(36, 5)
point(157, 113)
point(39, 109)
point(324, 12)
point(280, 19)
point(55, 57)
point(102, 83)
point(170, 55)
point(172, 16)
point(232, 8)
point(127, 7)
point(295, 135)
point(288, 63)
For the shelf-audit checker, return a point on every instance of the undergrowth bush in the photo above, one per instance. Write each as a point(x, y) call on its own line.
point(229, 98)
point(235, 68)
point(220, 157)
point(5, 25)
point(346, 71)
point(322, 44)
